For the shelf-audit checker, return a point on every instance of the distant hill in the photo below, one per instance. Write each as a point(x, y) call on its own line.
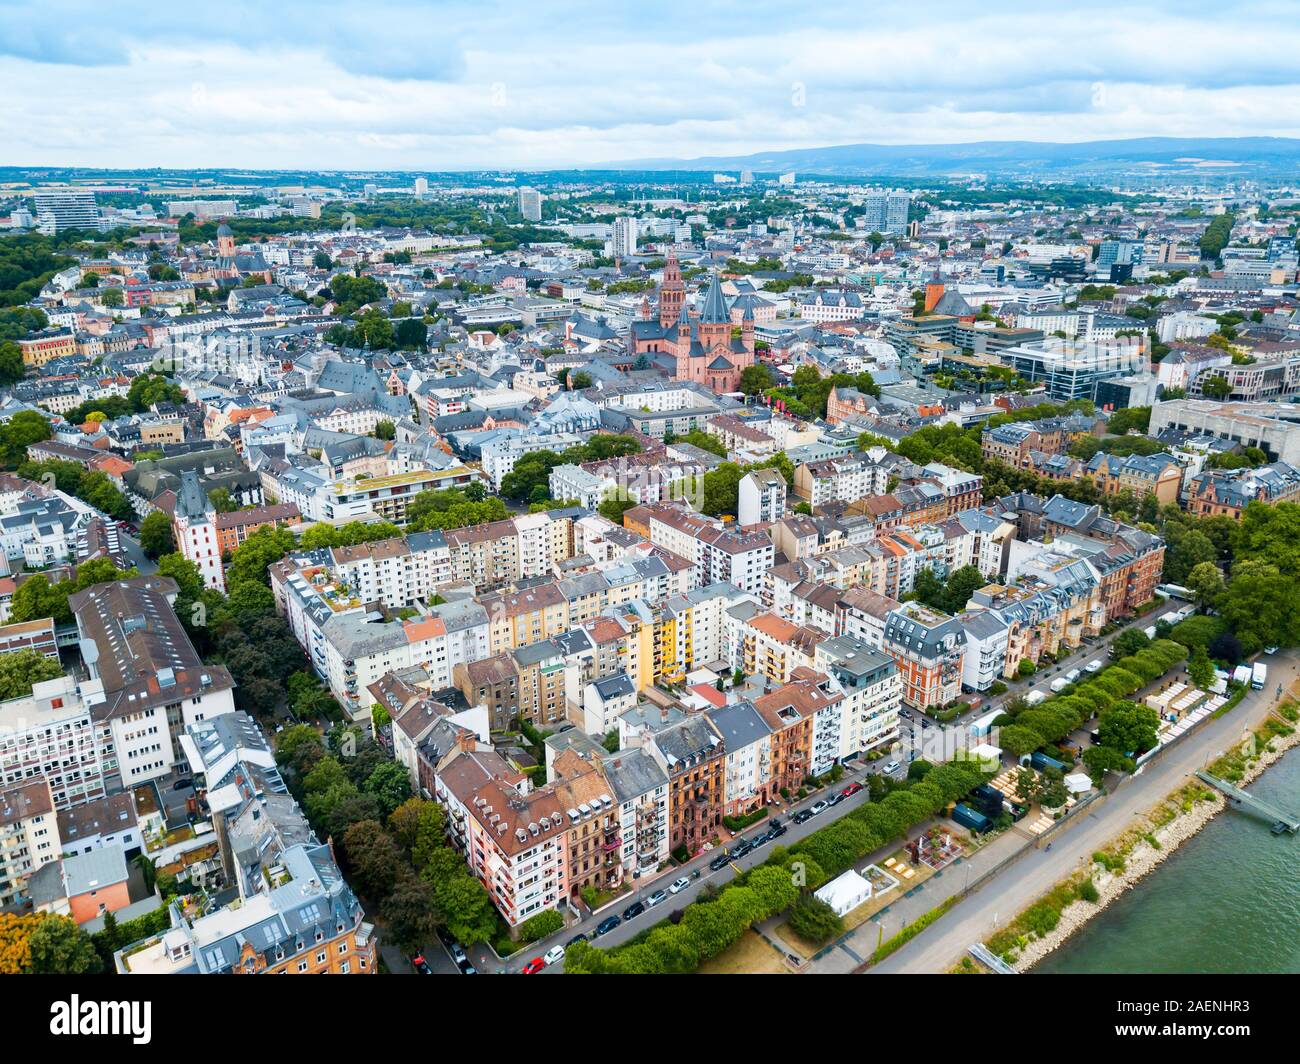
point(1011, 157)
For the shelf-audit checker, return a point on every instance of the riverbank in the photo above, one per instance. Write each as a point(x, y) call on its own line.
point(1139, 850)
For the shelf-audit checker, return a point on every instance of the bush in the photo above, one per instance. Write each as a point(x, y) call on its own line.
point(814, 921)
point(541, 925)
point(1088, 891)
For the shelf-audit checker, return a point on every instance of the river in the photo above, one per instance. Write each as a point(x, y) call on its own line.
point(1228, 900)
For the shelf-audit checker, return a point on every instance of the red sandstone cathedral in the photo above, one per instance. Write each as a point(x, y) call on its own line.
point(700, 342)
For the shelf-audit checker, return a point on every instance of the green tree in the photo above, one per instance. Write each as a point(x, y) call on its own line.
point(23, 429)
point(60, 947)
point(156, 535)
point(20, 669)
point(1129, 727)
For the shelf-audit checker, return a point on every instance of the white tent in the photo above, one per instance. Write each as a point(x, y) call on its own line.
point(846, 892)
point(1078, 783)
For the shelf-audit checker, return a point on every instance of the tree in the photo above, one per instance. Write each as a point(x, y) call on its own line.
point(1098, 760)
point(12, 368)
point(373, 857)
point(465, 907)
point(1200, 670)
point(156, 535)
point(19, 669)
point(1206, 582)
point(1129, 727)
point(385, 430)
point(321, 260)
point(1261, 606)
point(112, 297)
point(59, 947)
point(756, 379)
point(24, 428)
point(36, 598)
point(390, 786)
point(1018, 740)
point(812, 919)
point(1216, 388)
point(1129, 642)
point(410, 911)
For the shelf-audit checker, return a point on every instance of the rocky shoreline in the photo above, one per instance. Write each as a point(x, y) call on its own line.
point(1143, 858)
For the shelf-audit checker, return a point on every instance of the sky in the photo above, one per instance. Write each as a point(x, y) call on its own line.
point(409, 85)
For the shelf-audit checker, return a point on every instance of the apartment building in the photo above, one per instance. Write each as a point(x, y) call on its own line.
point(351, 645)
point(1157, 474)
point(29, 835)
point(640, 788)
point(692, 754)
point(872, 690)
point(747, 768)
point(761, 497)
point(845, 478)
point(720, 554)
point(928, 647)
point(492, 682)
point(533, 849)
point(774, 648)
point(1215, 492)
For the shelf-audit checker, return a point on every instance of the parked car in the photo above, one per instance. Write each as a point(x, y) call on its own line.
point(607, 925)
point(468, 969)
point(679, 885)
point(554, 955)
point(421, 965)
point(1270, 650)
point(851, 790)
point(742, 848)
point(534, 966)
point(721, 861)
point(1093, 666)
point(835, 799)
point(458, 953)
point(579, 937)
point(893, 766)
point(777, 829)
point(803, 816)
point(656, 898)
point(634, 910)
point(761, 839)
point(818, 807)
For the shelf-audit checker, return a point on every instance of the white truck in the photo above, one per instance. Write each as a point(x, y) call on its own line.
point(1059, 684)
point(1034, 697)
point(1258, 675)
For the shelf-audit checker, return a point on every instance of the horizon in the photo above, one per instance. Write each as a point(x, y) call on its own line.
point(408, 86)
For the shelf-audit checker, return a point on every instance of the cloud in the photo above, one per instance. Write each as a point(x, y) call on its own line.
point(404, 84)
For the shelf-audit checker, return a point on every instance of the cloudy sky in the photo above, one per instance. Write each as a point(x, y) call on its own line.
point(414, 84)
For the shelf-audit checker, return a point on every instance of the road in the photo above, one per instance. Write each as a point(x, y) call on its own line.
point(134, 552)
point(996, 902)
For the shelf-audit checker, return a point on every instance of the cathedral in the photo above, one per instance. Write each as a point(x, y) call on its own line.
point(701, 344)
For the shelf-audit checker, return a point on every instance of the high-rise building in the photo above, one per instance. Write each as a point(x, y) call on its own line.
point(624, 237)
point(886, 212)
point(421, 186)
point(57, 211)
point(530, 204)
